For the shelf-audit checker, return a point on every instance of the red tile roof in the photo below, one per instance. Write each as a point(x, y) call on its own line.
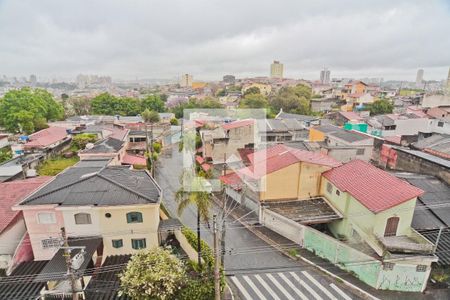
point(199, 159)
point(13, 192)
point(372, 187)
point(232, 179)
point(129, 159)
point(280, 156)
point(46, 137)
point(395, 139)
point(237, 124)
point(206, 167)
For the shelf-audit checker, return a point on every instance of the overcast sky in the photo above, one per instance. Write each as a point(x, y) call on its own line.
point(209, 38)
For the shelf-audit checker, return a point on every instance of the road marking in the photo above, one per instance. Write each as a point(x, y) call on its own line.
point(340, 292)
point(241, 288)
point(306, 286)
point(289, 283)
point(279, 286)
point(253, 286)
point(321, 287)
point(267, 287)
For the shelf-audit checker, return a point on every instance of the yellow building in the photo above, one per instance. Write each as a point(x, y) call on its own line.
point(276, 70)
point(264, 89)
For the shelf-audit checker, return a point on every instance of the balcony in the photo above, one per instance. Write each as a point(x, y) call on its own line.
point(413, 243)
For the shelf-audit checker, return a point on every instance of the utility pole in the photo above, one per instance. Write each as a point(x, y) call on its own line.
point(216, 261)
point(437, 239)
point(151, 149)
point(70, 273)
point(222, 238)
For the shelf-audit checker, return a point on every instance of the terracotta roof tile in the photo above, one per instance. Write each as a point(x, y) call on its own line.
point(237, 124)
point(12, 193)
point(130, 159)
point(374, 188)
point(46, 137)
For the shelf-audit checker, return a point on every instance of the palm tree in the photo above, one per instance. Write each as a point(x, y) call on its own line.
point(201, 199)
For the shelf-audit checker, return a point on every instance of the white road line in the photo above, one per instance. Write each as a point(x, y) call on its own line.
point(280, 287)
point(292, 286)
point(241, 288)
point(254, 287)
point(306, 286)
point(321, 287)
point(267, 287)
point(340, 292)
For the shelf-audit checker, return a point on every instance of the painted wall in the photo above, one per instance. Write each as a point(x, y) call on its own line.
point(116, 227)
point(316, 135)
point(9, 240)
point(39, 232)
point(74, 229)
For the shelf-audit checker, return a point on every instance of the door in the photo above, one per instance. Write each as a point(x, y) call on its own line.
point(391, 226)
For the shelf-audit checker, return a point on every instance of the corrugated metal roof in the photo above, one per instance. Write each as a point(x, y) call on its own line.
point(105, 285)
point(25, 288)
point(432, 158)
point(443, 246)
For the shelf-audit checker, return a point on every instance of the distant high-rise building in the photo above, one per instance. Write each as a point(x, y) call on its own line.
point(186, 80)
point(419, 77)
point(276, 70)
point(448, 82)
point(325, 76)
point(33, 79)
point(229, 79)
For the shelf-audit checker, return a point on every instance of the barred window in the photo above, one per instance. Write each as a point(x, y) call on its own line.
point(421, 268)
point(134, 217)
point(329, 188)
point(117, 243)
point(387, 266)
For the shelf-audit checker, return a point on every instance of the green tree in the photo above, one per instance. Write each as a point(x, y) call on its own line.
point(381, 107)
point(27, 109)
point(197, 196)
point(150, 116)
point(252, 90)
point(153, 102)
point(81, 140)
point(254, 101)
point(81, 106)
point(5, 154)
point(107, 104)
point(174, 121)
point(152, 274)
point(193, 103)
point(293, 100)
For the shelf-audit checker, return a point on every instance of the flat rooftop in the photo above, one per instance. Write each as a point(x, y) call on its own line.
point(307, 211)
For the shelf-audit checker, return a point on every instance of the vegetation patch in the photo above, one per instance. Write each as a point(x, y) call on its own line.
point(56, 165)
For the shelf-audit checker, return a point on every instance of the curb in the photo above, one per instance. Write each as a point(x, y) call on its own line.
point(275, 245)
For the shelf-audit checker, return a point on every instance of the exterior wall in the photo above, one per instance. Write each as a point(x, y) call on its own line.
point(316, 135)
point(439, 126)
point(39, 232)
point(116, 227)
point(435, 100)
point(346, 154)
point(81, 229)
point(4, 142)
point(404, 211)
point(9, 240)
point(408, 127)
point(309, 183)
point(403, 277)
point(438, 113)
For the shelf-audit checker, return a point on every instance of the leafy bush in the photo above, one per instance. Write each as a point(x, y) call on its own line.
point(80, 141)
point(207, 253)
point(174, 121)
point(157, 147)
point(54, 166)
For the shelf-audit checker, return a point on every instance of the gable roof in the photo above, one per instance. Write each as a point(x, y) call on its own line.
point(13, 192)
point(372, 187)
point(238, 123)
point(108, 145)
point(108, 186)
point(284, 115)
point(46, 137)
point(131, 159)
point(280, 156)
point(349, 115)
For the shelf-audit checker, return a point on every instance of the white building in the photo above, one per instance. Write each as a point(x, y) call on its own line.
point(419, 77)
point(325, 76)
point(276, 70)
point(186, 80)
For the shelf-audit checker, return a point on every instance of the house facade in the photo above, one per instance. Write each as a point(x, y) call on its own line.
point(115, 203)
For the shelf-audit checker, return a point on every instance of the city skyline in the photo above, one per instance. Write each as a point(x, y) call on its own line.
point(64, 39)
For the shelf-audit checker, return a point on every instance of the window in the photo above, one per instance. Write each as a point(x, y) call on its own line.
point(117, 243)
point(360, 151)
point(421, 268)
point(391, 226)
point(83, 218)
point(134, 217)
point(338, 192)
point(329, 188)
point(46, 218)
point(387, 266)
point(440, 124)
point(51, 243)
point(138, 243)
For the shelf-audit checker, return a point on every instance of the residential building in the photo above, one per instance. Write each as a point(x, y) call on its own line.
point(52, 139)
point(110, 148)
point(354, 87)
point(264, 89)
point(325, 76)
point(280, 130)
point(117, 132)
point(12, 224)
point(436, 144)
point(306, 121)
point(324, 104)
point(419, 78)
point(340, 118)
point(276, 70)
point(20, 167)
point(397, 124)
point(4, 140)
point(115, 203)
point(186, 80)
point(440, 112)
point(435, 100)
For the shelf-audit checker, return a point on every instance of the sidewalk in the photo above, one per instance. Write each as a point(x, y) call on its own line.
point(277, 241)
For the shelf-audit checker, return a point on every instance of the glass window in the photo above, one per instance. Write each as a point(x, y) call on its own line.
point(83, 218)
point(359, 151)
point(51, 243)
point(421, 268)
point(117, 243)
point(138, 243)
point(440, 124)
point(46, 218)
point(338, 192)
point(329, 188)
point(134, 217)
